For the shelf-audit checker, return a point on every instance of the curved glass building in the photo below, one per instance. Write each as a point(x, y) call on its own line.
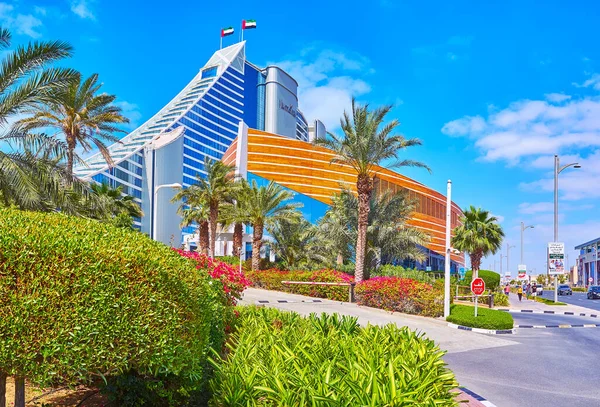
point(202, 120)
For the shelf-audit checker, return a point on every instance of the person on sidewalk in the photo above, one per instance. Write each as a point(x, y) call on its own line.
point(528, 290)
point(507, 289)
point(520, 292)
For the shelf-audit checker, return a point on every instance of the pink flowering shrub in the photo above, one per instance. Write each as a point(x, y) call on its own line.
point(271, 280)
point(401, 295)
point(234, 282)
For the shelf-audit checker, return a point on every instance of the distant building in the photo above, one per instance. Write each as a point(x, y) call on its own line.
point(588, 262)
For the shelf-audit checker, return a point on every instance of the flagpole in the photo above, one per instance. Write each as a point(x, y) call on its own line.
point(242, 31)
point(221, 43)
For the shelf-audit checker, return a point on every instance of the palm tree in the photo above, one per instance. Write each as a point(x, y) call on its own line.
point(479, 235)
point(232, 214)
point(111, 203)
point(264, 206)
point(193, 209)
point(366, 145)
point(25, 82)
point(27, 164)
point(214, 189)
point(81, 115)
point(198, 215)
point(335, 232)
point(295, 242)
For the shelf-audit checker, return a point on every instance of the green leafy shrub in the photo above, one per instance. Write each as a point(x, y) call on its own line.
point(486, 318)
point(278, 358)
point(388, 270)
point(491, 278)
point(271, 280)
point(79, 298)
point(501, 300)
point(401, 295)
point(579, 289)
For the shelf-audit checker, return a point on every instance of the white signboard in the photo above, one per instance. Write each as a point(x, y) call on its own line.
point(522, 272)
point(556, 258)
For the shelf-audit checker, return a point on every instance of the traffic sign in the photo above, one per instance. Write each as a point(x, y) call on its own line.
point(590, 280)
point(478, 286)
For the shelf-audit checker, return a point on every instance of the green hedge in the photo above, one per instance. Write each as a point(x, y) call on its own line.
point(79, 298)
point(501, 300)
point(546, 301)
point(579, 289)
point(486, 318)
point(279, 358)
point(491, 278)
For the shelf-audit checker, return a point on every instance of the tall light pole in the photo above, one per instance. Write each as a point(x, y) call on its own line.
point(508, 247)
point(501, 256)
point(523, 229)
point(557, 170)
point(155, 206)
point(448, 249)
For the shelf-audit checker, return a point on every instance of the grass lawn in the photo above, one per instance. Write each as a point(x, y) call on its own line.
point(547, 301)
point(486, 318)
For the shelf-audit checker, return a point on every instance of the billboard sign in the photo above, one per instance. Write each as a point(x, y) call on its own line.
point(556, 258)
point(522, 271)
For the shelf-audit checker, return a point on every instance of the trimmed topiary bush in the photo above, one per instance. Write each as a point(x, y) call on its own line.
point(81, 300)
point(491, 278)
point(486, 318)
point(279, 358)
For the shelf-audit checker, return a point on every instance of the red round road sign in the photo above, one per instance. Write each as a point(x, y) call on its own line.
point(590, 280)
point(478, 286)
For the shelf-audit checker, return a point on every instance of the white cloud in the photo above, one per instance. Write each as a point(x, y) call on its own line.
point(40, 10)
point(327, 80)
point(530, 128)
point(82, 9)
point(532, 208)
point(499, 217)
point(557, 97)
point(594, 82)
point(24, 24)
point(132, 112)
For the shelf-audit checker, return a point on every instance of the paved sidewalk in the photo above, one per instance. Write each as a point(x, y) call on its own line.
point(540, 306)
point(451, 340)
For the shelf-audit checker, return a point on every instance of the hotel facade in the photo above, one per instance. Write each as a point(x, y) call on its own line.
point(247, 116)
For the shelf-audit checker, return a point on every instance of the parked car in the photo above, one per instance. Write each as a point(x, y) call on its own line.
point(539, 289)
point(593, 292)
point(564, 289)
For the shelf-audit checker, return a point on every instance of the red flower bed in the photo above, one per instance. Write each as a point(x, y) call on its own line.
point(400, 295)
point(234, 282)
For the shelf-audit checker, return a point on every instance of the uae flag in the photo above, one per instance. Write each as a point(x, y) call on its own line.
point(226, 31)
point(248, 24)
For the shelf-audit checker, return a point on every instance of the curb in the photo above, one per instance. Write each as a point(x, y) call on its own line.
point(482, 331)
point(532, 311)
point(477, 397)
point(260, 302)
point(560, 326)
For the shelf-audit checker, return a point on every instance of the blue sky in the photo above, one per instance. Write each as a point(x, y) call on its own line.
point(492, 88)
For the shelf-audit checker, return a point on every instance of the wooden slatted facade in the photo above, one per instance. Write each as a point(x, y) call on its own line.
point(307, 169)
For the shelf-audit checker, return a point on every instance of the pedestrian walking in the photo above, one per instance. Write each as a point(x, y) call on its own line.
point(528, 290)
point(520, 292)
point(507, 289)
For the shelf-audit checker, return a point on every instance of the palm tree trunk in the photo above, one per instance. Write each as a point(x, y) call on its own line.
point(2, 389)
point(257, 235)
point(213, 216)
point(364, 186)
point(19, 392)
point(475, 263)
point(70, 158)
point(238, 236)
point(203, 237)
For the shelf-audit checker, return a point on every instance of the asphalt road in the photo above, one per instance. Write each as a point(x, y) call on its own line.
point(552, 367)
point(575, 299)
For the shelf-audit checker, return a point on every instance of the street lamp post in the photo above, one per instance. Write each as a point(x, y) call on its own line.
point(155, 208)
point(523, 229)
point(448, 248)
point(508, 257)
point(557, 170)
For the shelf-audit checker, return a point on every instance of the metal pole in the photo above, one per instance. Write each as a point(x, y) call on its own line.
point(508, 258)
point(448, 249)
point(556, 165)
point(154, 214)
point(476, 297)
point(522, 230)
